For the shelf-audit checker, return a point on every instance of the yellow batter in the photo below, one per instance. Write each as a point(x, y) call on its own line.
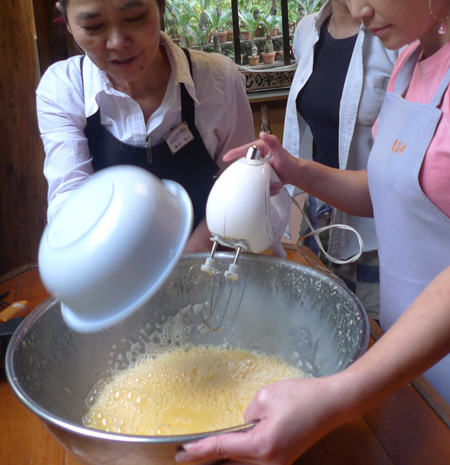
point(185, 390)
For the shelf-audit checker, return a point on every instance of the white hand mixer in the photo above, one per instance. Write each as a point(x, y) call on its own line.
point(242, 214)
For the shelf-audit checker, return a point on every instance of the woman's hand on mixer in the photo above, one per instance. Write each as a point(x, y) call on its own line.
point(285, 165)
point(346, 190)
point(292, 415)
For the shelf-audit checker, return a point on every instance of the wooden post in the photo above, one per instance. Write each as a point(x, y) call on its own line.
point(265, 119)
point(23, 188)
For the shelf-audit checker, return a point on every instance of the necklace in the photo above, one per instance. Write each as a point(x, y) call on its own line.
point(356, 31)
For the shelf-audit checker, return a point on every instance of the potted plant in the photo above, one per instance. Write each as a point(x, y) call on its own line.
point(249, 23)
point(268, 55)
point(178, 21)
point(259, 29)
point(310, 6)
point(216, 45)
point(230, 34)
point(204, 26)
point(271, 24)
point(253, 59)
point(200, 35)
point(295, 11)
point(217, 20)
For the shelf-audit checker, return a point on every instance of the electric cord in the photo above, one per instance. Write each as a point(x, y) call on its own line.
point(315, 233)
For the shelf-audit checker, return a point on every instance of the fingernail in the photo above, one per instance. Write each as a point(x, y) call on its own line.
point(183, 456)
point(190, 446)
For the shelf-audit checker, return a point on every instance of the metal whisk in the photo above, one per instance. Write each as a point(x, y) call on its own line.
point(216, 296)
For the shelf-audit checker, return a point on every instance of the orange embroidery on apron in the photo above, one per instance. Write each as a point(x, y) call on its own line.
point(398, 147)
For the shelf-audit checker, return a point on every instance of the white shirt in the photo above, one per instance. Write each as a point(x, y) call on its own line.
point(363, 94)
point(222, 112)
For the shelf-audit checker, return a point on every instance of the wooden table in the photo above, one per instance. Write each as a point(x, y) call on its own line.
point(412, 427)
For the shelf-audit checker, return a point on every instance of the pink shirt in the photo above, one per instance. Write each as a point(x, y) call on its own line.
point(435, 173)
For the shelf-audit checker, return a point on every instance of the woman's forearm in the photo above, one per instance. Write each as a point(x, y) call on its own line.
point(418, 340)
point(345, 190)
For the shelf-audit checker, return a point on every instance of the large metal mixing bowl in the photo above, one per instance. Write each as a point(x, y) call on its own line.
point(290, 310)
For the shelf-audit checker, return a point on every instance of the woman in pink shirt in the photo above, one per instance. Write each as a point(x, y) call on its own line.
point(406, 189)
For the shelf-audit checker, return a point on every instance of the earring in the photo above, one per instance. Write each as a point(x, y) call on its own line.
point(443, 26)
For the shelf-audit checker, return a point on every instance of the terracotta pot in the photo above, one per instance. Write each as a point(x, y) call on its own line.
point(230, 36)
point(253, 60)
point(259, 31)
point(222, 36)
point(268, 58)
point(274, 32)
point(246, 35)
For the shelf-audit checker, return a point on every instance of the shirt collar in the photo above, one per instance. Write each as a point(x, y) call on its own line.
point(179, 64)
point(95, 83)
point(323, 15)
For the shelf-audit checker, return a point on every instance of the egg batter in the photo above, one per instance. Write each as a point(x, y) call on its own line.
point(184, 390)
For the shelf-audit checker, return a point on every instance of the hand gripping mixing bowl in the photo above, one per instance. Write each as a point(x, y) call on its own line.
point(288, 310)
point(242, 214)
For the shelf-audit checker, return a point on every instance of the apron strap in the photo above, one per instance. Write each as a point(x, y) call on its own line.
point(187, 102)
point(81, 68)
point(405, 75)
point(82, 80)
point(406, 72)
point(437, 97)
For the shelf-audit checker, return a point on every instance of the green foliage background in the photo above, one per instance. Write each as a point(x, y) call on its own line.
point(193, 21)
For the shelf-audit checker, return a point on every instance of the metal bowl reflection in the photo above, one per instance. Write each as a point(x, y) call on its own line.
point(289, 310)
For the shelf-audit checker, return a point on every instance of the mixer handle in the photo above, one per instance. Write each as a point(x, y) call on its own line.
point(253, 153)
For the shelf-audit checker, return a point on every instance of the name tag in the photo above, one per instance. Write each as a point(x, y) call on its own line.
point(178, 137)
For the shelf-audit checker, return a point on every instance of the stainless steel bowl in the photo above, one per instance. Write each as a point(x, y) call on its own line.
point(289, 310)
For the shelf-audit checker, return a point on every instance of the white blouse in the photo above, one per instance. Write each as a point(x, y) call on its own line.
point(222, 112)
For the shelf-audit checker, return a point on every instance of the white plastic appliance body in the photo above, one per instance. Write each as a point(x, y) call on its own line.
point(240, 211)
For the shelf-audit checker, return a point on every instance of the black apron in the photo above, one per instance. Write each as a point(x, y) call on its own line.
point(191, 166)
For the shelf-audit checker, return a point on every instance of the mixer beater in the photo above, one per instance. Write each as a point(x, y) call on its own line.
point(217, 295)
point(242, 214)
